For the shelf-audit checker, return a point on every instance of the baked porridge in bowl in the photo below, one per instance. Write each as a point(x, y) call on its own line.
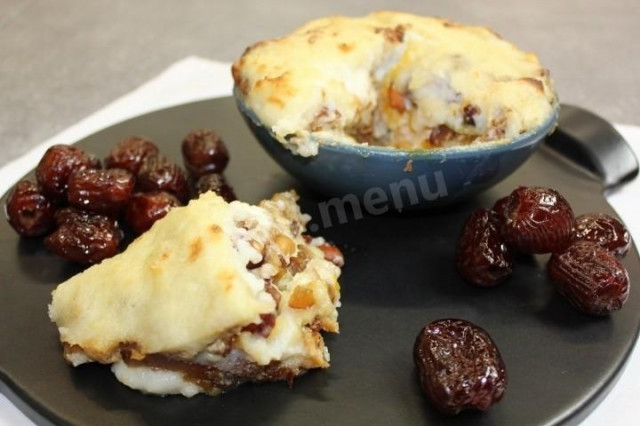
point(350, 104)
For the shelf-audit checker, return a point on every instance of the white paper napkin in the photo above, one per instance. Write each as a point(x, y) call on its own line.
point(193, 79)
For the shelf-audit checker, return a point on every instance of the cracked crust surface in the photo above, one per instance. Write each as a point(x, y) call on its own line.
point(210, 280)
point(393, 79)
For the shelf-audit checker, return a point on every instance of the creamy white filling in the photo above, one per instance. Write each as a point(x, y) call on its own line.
point(155, 381)
point(251, 230)
point(435, 68)
point(77, 358)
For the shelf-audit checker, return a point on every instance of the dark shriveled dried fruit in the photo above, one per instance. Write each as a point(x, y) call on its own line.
point(100, 191)
point(590, 277)
point(84, 238)
point(500, 207)
point(144, 209)
point(29, 211)
point(482, 257)
point(459, 366)
point(129, 153)
point(158, 173)
point(604, 230)
point(204, 152)
point(57, 164)
point(68, 215)
point(217, 183)
point(537, 220)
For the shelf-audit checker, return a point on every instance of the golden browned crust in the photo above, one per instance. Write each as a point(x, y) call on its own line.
point(391, 79)
point(207, 275)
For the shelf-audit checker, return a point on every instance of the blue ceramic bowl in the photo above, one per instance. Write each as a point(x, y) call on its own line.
point(407, 179)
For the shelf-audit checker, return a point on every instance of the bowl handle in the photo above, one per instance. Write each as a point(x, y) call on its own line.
point(593, 143)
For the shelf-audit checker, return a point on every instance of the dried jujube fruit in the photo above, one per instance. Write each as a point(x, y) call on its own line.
point(482, 257)
point(129, 153)
point(84, 238)
point(29, 211)
point(204, 152)
point(146, 208)
point(57, 164)
point(100, 191)
point(217, 183)
point(537, 220)
point(158, 173)
point(68, 214)
point(77, 203)
point(604, 230)
point(590, 277)
point(459, 366)
point(500, 206)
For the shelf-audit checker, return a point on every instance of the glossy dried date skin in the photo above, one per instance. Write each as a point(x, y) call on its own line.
point(592, 279)
point(157, 173)
point(129, 153)
point(604, 230)
point(482, 257)
point(68, 215)
point(204, 152)
point(500, 207)
point(217, 183)
point(144, 209)
point(29, 211)
point(57, 164)
point(73, 193)
point(537, 220)
point(100, 191)
point(459, 366)
point(84, 238)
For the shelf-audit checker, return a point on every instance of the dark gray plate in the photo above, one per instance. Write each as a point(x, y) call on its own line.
point(399, 276)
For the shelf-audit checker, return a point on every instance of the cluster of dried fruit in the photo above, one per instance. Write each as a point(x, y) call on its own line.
point(459, 366)
point(584, 264)
point(77, 204)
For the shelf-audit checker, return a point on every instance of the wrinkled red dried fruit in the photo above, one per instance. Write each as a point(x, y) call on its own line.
point(500, 207)
point(217, 183)
point(537, 220)
point(604, 230)
point(100, 191)
point(56, 165)
point(482, 257)
point(29, 211)
point(68, 176)
point(146, 208)
point(159, 174)
point(84, 238)
point(68, 215)
point(459, 366)
point(129, 153)
point(204, 152)
point(590, 277)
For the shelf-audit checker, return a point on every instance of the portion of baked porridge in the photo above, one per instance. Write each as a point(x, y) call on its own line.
point(393, 79)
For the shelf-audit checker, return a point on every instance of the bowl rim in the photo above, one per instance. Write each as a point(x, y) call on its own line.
point(528, 138)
